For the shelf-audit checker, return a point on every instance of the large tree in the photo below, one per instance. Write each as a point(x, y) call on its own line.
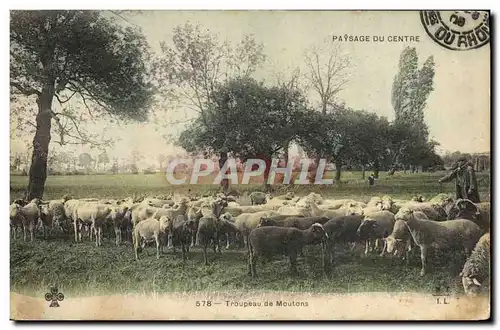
point(190, 69)
point(247, 120)
point(410, 90)
point(75, 54)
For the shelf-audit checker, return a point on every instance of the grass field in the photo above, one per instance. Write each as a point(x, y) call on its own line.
point(83, 269)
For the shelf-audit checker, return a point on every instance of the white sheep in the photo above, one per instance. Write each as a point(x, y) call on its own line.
point(92, 214)
point(149, 229)
point(451, 235)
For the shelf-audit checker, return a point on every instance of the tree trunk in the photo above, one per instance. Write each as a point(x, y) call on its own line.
point(363, 175)
point(376, 169)
point(38, 169)
point(338, 170)
point(224, 182)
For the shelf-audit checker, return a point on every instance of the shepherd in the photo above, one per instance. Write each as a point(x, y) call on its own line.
point(466, 183)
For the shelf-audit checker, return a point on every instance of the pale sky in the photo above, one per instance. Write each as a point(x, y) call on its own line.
point(458, 110)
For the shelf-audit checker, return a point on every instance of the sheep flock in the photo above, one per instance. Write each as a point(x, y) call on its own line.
point(413, 230)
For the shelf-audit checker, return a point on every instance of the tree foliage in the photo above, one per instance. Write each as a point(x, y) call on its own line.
point(75, 54)
point(248, 120)
point(410, 90)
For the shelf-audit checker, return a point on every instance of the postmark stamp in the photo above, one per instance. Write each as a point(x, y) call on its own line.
point(458, 29)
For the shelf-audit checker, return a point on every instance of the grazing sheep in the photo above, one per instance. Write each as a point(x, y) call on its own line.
point(312, 197)
point(228, 229)
point(208, 231)
point(258, 198)
point(375, 227)
point(141, 212)
point(443, 200)
point(156, 202)
point(118, 217)
point(233, 210)
point(342, 230)
point(340, 203)
point(148, 230)
point(295, 211)
point(452, 235)
point(399, 242)
point(256, 208)
point(476, 271)
point(246, 222)
point(267, 241)
point(194, 214)
point(479, 213)
point(17, 220)
point(92, 214)
point(432, 211)
point(182, 229)
point(317, 212)
point(375, 203)
point(29, 215)
point(296, 222)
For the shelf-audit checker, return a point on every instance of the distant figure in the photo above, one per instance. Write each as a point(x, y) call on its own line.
point(371, 179)
point(391, 171)
point(466, 183)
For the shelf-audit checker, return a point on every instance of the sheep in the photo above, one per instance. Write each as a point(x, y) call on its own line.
point(287, 221)
point(228, 229)
point(342, 230)
point(266, 241)
point(286, 197)
point(446, 235)
point(433, 211)
point(295, 211)
point(375, 227)
point(379, 204)
point(340, 203)
point(208, 230)
point(256, 208)
point(476, 271)
point(245, 222)
point(148, 230)
point(400, 241)
point(156, 202)
point(312, 197)
point(477, 212)
point(141, 212)
point(119, 217)
point(181, 229)
point(258, 198)
point(28, 215)
point(92, 214)
point(52, 215)
point(233, 210)
point(172, 213)
point(317, 212)
point(17, 220)
point(443, 200)
point(195, 215)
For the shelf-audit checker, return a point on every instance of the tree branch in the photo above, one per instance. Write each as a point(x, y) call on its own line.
point(28, 91)
point(69, 98)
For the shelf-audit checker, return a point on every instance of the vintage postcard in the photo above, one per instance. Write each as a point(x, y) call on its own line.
point(250, 165)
